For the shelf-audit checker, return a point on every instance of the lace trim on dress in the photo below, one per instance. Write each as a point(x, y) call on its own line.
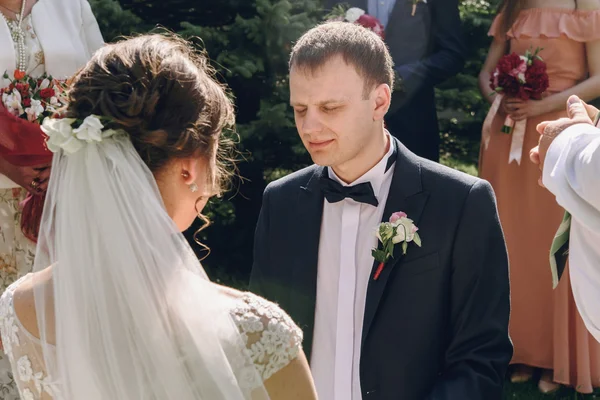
point(273, 338)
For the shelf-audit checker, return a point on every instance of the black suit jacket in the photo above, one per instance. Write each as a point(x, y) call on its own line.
point(427, 49)
point(436, 320)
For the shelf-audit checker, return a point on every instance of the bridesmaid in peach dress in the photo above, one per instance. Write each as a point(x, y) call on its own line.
point(546, 329)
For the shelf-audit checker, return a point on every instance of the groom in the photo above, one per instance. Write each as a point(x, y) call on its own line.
point(434, 323)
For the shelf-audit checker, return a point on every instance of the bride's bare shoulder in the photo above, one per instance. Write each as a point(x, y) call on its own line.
point(24, 298)
point(230, 293)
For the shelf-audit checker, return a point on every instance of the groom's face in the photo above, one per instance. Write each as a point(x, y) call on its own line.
point(333, 116)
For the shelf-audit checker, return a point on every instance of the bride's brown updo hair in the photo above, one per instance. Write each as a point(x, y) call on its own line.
point(164, 95)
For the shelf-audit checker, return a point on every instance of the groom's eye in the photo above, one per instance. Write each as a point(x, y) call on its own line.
point(300, 111)
point(330, 109)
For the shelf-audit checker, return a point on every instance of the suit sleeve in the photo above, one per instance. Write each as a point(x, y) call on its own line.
point(572, 173)
point(480, 349)
point(261, 265)
point(448, 56)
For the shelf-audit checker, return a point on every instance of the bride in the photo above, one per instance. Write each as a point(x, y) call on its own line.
point(118, 306)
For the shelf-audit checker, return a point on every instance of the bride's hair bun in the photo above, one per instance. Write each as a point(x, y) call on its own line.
point(164, 95)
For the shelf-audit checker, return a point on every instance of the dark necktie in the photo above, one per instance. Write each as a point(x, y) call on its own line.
point(361, 193)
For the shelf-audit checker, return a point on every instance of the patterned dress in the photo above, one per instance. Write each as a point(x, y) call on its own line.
point(271, 337)
point(16, 251)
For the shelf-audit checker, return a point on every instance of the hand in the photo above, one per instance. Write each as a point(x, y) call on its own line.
point(509, 104)
point(34, 179)
point(519, 110)
point(578, 112)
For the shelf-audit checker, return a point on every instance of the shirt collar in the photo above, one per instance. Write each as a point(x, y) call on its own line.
point(376, 175)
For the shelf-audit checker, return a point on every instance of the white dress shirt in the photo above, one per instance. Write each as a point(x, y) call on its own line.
point(344, 268)
point(572, 174)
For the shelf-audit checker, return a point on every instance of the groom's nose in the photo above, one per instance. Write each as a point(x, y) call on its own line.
point(311, 123)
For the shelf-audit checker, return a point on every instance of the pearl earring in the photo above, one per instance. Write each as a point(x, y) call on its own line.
point(194, 187)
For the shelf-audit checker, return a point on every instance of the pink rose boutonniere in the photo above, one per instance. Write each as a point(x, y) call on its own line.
point(399, 229)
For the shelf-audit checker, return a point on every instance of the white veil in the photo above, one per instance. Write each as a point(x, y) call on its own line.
point(128, 312)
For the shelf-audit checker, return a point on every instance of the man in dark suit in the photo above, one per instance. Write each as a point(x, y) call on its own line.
point(427, 48)
point(434, 323)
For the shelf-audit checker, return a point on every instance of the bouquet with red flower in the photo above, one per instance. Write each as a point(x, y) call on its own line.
point(523, 77)
point(24, 104)
point(33, 99)
point(357, 16)
point(518, 76)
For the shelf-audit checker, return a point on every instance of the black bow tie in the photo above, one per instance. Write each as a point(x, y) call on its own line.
point(362, 193)
point(335, 191)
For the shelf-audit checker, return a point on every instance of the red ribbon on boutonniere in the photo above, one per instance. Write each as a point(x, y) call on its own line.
point(399, 229)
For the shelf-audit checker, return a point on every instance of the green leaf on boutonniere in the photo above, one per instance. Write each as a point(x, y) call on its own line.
point(389, 247)
point(404, 247)
point(417, 239)
point(379, 255)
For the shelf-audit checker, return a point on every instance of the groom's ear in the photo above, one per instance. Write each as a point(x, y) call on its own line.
point(383, 97)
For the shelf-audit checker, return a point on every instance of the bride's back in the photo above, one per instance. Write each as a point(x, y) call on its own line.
point(272, 339)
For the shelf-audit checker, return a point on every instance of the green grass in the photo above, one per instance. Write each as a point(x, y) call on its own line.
point(461, 165)
point(529, 391)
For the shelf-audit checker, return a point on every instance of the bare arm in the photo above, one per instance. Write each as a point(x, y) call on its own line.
point(497, 50)
point(293, 382)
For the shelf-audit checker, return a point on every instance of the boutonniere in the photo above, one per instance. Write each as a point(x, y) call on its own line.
point(414, 6)
point(400, 229)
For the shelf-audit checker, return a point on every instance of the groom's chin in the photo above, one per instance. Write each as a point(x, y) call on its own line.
point(321, 158)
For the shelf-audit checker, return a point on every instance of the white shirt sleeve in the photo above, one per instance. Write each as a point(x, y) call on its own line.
point(572, 173)
point(93, 37)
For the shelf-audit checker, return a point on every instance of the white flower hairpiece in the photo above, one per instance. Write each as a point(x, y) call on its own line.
point(62, 135)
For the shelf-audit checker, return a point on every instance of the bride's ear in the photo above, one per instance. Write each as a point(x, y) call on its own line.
point(189, 170)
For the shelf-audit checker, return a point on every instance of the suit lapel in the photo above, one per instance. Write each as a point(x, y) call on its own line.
point(310, 206)
point(407, 195)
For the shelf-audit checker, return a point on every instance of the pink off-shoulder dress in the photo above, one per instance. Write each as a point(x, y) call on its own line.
point(546, 329)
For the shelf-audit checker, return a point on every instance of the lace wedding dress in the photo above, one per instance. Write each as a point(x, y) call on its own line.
point(272, 342)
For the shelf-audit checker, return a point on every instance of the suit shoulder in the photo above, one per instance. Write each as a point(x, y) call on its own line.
point(449, 180)
point(292, 181)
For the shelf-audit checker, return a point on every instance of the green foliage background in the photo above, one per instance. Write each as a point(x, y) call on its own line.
point(249, 43)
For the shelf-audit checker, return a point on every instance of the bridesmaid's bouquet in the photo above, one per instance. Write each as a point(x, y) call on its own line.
point(26, 101)
point(520, 76)
point(357, 16)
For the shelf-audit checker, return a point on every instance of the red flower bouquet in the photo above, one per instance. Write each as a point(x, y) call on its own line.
point(522, 77)
point(33, 99)
point(24, 104)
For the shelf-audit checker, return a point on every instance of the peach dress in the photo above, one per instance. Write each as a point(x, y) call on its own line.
point(546, 329)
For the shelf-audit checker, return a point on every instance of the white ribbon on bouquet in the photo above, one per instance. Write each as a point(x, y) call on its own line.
point(516, 128)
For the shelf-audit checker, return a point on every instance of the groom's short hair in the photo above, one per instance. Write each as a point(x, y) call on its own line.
point(358, 46)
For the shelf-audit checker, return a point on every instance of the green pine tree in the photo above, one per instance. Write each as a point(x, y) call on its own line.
point(114, 21)
point(250, 51)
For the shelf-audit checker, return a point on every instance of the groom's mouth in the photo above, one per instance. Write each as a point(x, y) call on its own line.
point(319, 145)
